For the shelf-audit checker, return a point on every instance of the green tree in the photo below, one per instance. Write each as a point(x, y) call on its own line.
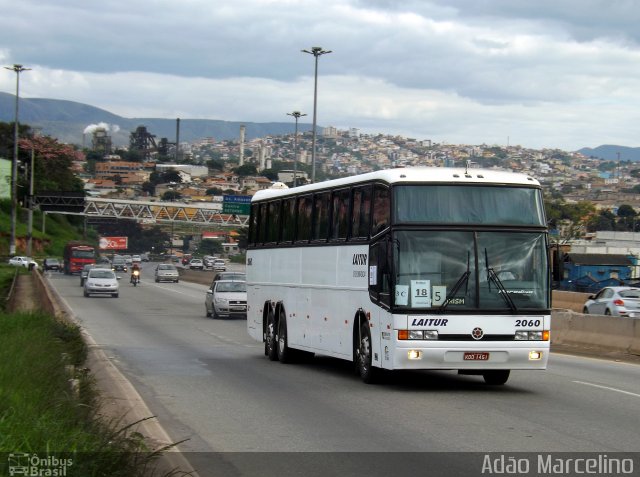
point(246, 170)
point(210, 247)
point(171, 196)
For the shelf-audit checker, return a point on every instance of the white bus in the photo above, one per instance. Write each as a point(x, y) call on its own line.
point(417, 268)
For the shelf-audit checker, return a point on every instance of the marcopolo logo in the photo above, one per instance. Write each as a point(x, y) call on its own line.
point(359, 259)
point(21, 463)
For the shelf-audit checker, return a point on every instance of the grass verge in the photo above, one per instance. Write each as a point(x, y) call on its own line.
point(48, 405)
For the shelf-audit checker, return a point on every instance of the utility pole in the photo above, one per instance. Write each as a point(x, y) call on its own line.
point(14, 169)
point(297, 115)
point(316, 51)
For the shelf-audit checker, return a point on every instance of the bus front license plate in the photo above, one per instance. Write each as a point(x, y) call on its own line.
point(476, 356)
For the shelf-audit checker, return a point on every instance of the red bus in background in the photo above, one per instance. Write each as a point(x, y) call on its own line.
point(77, 255)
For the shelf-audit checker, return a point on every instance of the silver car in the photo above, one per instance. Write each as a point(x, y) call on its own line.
point(226, 299)
point(101, 281)
point(167, 272)
point(614, 301)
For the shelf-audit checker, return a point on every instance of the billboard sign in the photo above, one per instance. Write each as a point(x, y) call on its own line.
point(114, 243)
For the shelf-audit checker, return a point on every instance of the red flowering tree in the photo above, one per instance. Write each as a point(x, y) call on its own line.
point(53, 165)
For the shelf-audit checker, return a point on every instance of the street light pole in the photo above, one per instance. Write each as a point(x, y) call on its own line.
point(14, 169)
point(297, 115)
point(316, 51)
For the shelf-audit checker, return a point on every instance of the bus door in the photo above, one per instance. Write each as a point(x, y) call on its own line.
point(380, 270)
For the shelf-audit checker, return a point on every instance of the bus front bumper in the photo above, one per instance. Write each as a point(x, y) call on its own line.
point(468, 355)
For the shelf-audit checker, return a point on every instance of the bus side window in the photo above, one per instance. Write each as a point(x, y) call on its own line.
point(381, 209)
point(361, 212)
point(287, 219)
point(379, 261)
point(273, 222)
point(321, 216)
point(262, 224)
point(340, 214)
point(253, 228)
point(305, 207)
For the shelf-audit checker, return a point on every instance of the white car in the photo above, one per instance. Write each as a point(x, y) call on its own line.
point(23, 262)
point(196, 264)
point(136, 259)
point(614, 301)
point(101, 281)
point(167, 272)
point(219, 265)
point(226, 299)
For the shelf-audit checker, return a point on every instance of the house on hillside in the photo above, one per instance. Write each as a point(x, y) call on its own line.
point(589, 272)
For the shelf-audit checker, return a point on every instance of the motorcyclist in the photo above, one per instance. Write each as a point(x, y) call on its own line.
point(135, 268)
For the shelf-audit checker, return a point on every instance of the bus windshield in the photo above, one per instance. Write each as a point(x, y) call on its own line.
point(468, 204)
point(83, 253)
point(475, 270)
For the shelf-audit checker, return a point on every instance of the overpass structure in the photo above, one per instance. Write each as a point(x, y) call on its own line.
point(148, 212)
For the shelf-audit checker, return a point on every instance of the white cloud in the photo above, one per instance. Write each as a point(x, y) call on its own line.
point(557, 74)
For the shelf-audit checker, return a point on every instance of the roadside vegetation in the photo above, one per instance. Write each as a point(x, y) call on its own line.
point(48, 404)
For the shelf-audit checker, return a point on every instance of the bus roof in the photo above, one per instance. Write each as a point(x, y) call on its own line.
point(413, 174)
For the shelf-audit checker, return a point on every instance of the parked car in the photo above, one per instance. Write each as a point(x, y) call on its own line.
point(229, 276)
point(167, 272)
point(614, 301)
point(102, 281)
point(226, 299)
point(26, 262)
point(196, 264)
point(51, 264)
point(219, 265)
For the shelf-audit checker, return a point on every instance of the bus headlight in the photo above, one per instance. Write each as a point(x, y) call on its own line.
point(417, 335)
point(522, 335)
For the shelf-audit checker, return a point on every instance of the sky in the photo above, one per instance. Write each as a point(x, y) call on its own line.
point(537, 73)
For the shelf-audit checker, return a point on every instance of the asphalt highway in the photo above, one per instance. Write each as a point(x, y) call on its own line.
point(210, 383)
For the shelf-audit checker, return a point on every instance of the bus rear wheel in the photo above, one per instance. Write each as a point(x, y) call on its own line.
point(271, 344)
point(496, 377)
point(285, 354)
point(363, 356)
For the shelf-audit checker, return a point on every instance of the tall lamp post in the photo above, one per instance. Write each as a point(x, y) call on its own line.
point(297, 115)
point(316, 51)
point(14, 169)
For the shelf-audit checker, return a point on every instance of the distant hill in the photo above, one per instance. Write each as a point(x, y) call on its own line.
point(610, 152)
point(67, 120)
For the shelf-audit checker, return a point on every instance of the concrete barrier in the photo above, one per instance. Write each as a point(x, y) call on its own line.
point(569, 300)
point(599, 332)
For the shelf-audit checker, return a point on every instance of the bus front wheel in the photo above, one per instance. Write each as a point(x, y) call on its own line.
point(363, 356)
point(271, 344)
point(496, 377)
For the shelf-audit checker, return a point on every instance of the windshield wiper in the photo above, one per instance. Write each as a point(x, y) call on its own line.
point(493, 277)
point(463, 280)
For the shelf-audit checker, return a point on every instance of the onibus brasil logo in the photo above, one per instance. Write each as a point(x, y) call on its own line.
point(22, 463)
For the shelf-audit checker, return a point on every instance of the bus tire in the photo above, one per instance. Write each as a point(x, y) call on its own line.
point(271, 343)
point(285, 354)
point(363, 356)
point(496, 377)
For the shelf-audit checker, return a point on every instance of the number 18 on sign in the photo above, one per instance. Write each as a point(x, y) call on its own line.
point(421, 293)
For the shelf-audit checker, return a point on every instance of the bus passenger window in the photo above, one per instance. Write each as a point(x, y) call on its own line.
point(305, 207)
point(340, 205)
point(381, 209)
point(361, 213)
point(321, 216)
point(287, 219)
point(273, 222)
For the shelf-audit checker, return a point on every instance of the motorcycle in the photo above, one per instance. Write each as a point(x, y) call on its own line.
point(135, 277)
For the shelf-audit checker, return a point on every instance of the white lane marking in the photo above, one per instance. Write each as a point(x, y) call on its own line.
point(171, 289)
point(608, 388)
